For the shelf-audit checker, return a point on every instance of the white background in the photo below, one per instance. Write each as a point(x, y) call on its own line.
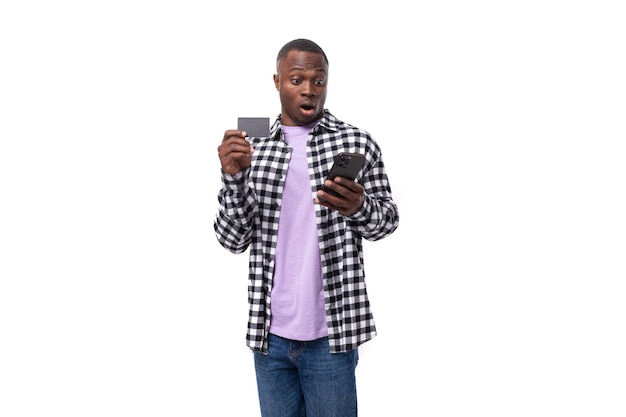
point(502, 127)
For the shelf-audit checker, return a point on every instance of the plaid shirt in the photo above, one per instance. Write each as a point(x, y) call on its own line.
point(249, 207)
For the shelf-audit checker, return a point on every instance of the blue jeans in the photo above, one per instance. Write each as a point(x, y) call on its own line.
point(298, 379)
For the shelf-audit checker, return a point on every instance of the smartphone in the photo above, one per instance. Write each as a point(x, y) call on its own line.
point(346, 165)
point(254, 126)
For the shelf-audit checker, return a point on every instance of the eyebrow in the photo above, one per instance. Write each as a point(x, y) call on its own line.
point(298, 68)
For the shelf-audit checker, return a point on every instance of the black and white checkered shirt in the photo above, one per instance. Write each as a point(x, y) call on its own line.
point(249, 207)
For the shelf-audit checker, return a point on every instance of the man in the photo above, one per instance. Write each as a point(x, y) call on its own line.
point(309, 309)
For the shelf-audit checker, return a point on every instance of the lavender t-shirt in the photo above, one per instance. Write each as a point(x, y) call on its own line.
point(297, 299)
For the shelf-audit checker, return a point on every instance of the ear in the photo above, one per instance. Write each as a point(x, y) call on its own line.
point(276, 81)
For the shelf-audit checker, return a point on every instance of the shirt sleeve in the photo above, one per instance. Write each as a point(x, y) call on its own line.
point(234, 221)
point(378, 217)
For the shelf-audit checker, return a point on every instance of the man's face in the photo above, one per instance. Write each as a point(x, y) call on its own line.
point(301, 84)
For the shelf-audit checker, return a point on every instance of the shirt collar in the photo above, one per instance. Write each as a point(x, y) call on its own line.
point(327, 122)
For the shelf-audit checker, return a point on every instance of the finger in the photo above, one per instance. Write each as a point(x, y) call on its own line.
point(230, 134)
point(341, 207)
point(349, 184)
point(337, 187)
point(330, 200)
point(234, 145)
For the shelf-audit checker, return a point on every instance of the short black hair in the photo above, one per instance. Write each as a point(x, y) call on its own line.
point(304, 45)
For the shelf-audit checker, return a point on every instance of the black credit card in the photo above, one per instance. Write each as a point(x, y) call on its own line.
point(254, 126)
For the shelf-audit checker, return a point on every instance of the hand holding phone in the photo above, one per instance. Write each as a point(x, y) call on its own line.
point(346, 165)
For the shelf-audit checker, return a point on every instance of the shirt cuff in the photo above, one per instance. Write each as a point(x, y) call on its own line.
point(236, 181)
point(362, 215)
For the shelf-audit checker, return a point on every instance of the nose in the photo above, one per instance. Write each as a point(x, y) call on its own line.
point(308, 88)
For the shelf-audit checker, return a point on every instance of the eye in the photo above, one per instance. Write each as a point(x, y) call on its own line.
point(296, 81)
point(320, 82)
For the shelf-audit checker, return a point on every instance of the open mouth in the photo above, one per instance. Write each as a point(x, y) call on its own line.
point(308, 108)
